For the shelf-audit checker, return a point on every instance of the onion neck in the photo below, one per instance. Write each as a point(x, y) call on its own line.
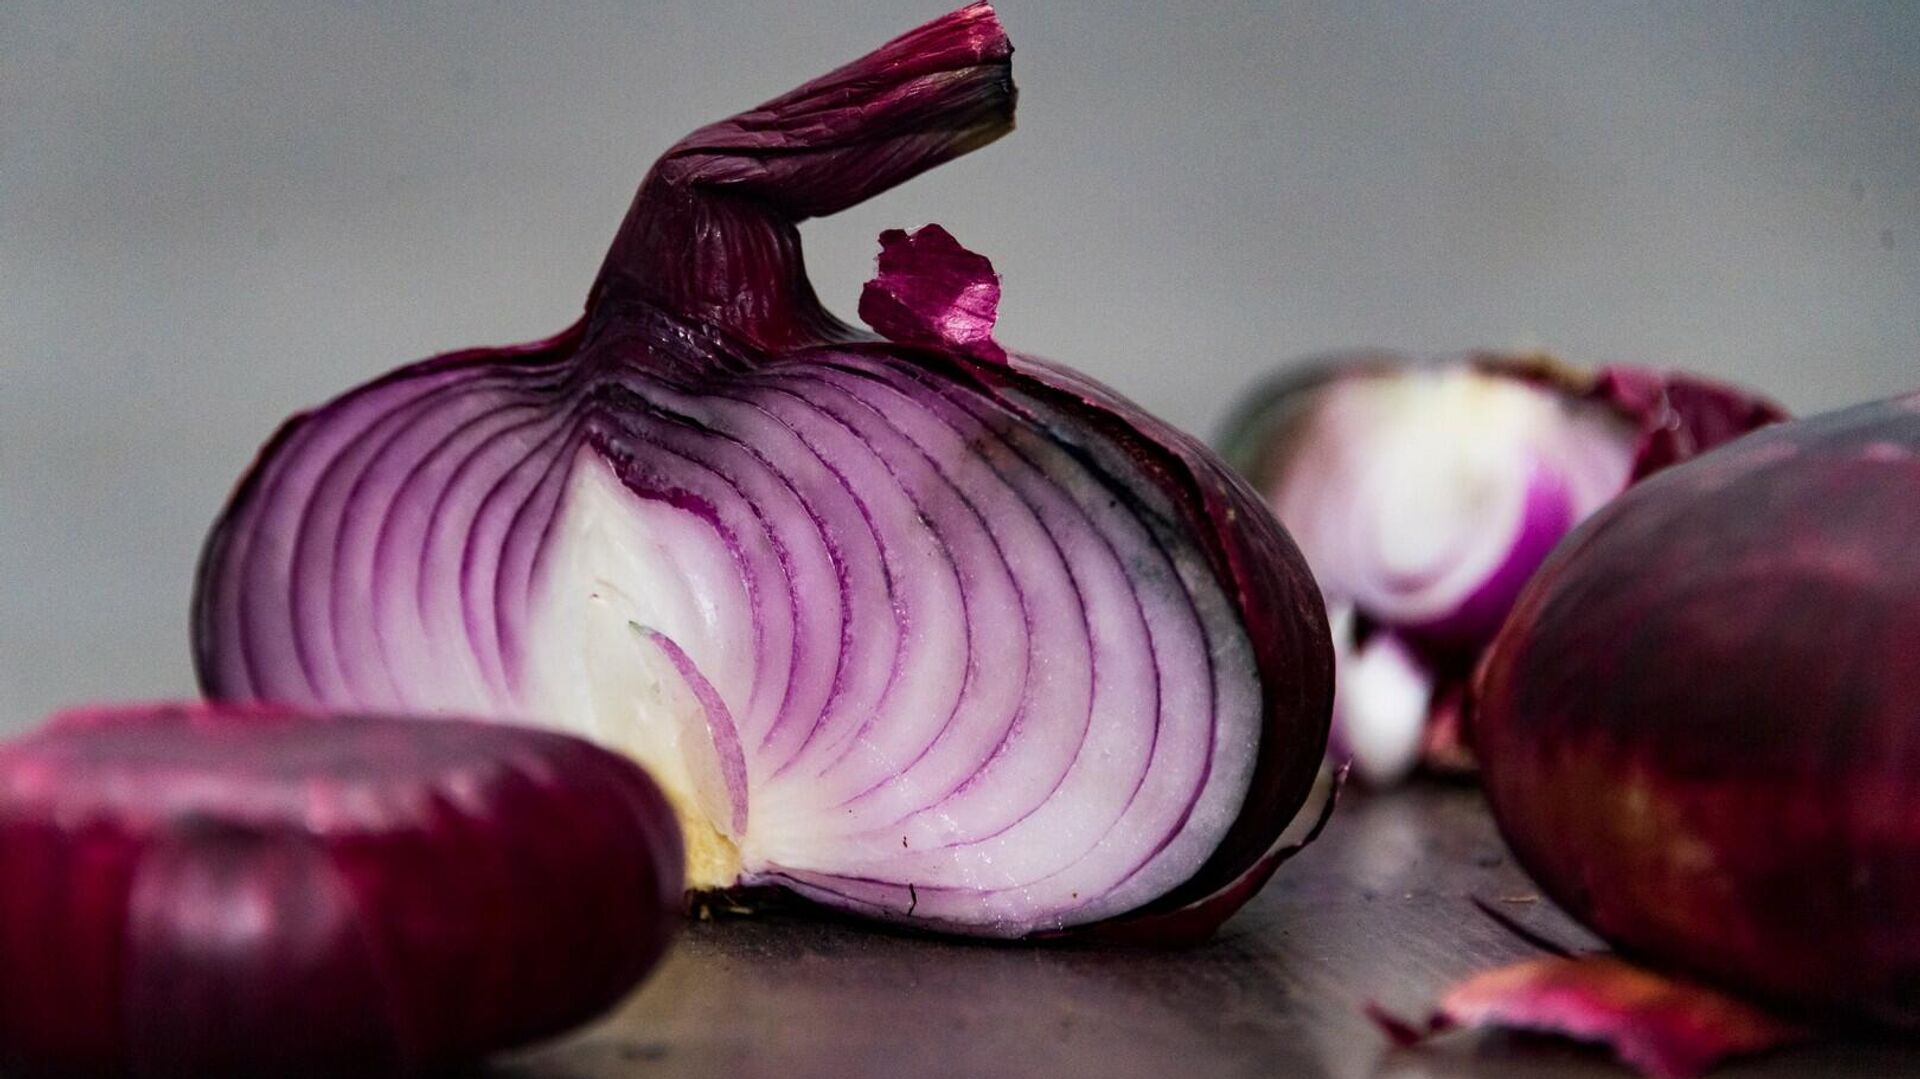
point(713, 234)
point(717, 259)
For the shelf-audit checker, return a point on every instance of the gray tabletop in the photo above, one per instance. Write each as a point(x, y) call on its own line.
point(1381, 908)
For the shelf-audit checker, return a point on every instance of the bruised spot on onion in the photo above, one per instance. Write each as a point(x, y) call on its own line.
point(199, 890)
point(1698, 728)
point(906, 623)
point(1425, 493)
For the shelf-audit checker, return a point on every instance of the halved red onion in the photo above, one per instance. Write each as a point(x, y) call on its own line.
point(1699, 729)
point(1425, 494)
point(904, 623)
point(203, 891)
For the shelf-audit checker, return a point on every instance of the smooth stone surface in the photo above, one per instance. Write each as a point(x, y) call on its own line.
point(1380, 908)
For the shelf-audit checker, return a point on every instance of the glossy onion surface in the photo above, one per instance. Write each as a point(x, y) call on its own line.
point(210, 891)
point(1700, 730)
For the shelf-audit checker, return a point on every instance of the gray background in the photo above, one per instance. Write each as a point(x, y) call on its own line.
point(213, 214)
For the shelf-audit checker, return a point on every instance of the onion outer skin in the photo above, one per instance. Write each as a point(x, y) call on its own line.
point(1698, 729)
point(1660, 1026)
point(198, 890)
point(1652, 418)
point(701, 337)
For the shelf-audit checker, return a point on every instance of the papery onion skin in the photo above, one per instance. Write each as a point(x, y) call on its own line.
point(980, 646)
point(1511, 429)
point(1662, 1027)
point(198, 890)
point(1699, 729)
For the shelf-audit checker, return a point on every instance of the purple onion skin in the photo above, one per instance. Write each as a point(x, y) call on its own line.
point(1676, 416)
point(701, 329)
point(1699, 729)
point(198, 890)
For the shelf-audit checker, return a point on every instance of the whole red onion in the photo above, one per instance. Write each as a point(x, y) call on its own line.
point(1700, 728)
point(222, 891)
point(1424, 493)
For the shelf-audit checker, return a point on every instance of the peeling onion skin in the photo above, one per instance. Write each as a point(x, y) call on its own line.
point(1662, 1027)
point(1425, 492)
point(1699, 730)
point(211, 890)
point(979, 646)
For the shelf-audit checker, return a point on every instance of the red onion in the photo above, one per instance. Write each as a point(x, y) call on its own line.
point(1425, 493)
point(907, 624)
point(209, 891)
point(1699, 729)
point(1698, 733)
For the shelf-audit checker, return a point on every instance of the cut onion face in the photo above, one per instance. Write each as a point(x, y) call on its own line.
point(909, 625)
point(1426, 494)
point(215, 890)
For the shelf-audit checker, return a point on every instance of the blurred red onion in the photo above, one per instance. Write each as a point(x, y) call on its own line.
point(1425, 493)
